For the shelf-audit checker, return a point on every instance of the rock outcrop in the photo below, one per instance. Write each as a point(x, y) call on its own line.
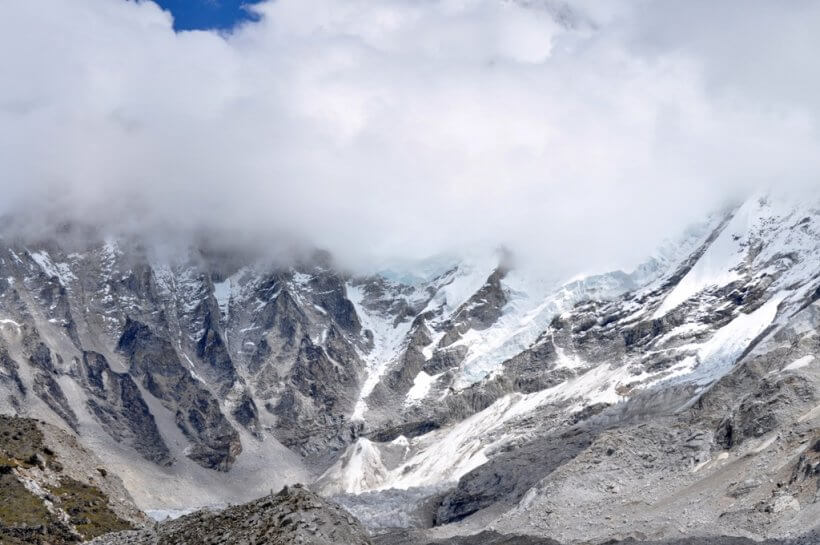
point(53, 491)
point(293, 516)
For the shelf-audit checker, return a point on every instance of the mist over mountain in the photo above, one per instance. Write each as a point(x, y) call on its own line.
point(578, 134)
point(529, 272)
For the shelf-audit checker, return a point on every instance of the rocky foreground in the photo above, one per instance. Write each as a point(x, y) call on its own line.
point(294, 515)
point(493, 538)
point(53, 491)
point(298, 516)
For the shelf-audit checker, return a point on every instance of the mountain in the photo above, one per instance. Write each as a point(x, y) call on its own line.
point(461, 393)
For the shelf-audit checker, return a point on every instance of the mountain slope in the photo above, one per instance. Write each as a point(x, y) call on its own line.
point(54, 491)
point(462, 391)
point(648, 355)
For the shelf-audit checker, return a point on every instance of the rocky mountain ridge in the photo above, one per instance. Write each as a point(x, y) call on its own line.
point(462, 394)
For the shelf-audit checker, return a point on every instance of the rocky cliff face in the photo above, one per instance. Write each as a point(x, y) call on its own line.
point(129, 333)
point(469, 389)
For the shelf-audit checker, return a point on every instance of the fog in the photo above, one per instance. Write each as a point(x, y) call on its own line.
point(578, 135)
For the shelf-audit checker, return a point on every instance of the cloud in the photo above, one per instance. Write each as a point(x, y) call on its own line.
point(577, 136)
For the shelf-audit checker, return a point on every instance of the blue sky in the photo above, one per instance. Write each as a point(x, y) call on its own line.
point(207, 14)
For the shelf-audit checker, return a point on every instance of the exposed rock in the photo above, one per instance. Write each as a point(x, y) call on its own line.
point(154, 361)
point(116, 402)
point(294, 515)
point(676, 399)
point(48, 492)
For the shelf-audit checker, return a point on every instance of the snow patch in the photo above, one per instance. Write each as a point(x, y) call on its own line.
point(717, 356)
point(564, 361)
point(191, 368)
point(388, 338)
point(457, 285)
point(61, 270)
point(359, 470)
point(421, 387)
point(800, 363)
point(717, 265)
point(222, 293)
point(301, 279)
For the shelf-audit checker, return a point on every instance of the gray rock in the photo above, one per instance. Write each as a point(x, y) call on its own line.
point(294, 515)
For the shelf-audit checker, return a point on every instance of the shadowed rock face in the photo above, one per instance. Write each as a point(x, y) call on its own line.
point(155, 363)
point(212, 351)
point(294, 515)
point(46, 387)
point(508, 476)
point(117, 403)
point(10, 378)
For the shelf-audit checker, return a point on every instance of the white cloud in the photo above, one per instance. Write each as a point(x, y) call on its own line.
point(576, 136)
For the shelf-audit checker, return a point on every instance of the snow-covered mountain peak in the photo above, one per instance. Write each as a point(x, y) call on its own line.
point(209, 367)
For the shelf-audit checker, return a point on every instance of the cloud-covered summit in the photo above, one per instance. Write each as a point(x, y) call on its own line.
point(577, 135)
